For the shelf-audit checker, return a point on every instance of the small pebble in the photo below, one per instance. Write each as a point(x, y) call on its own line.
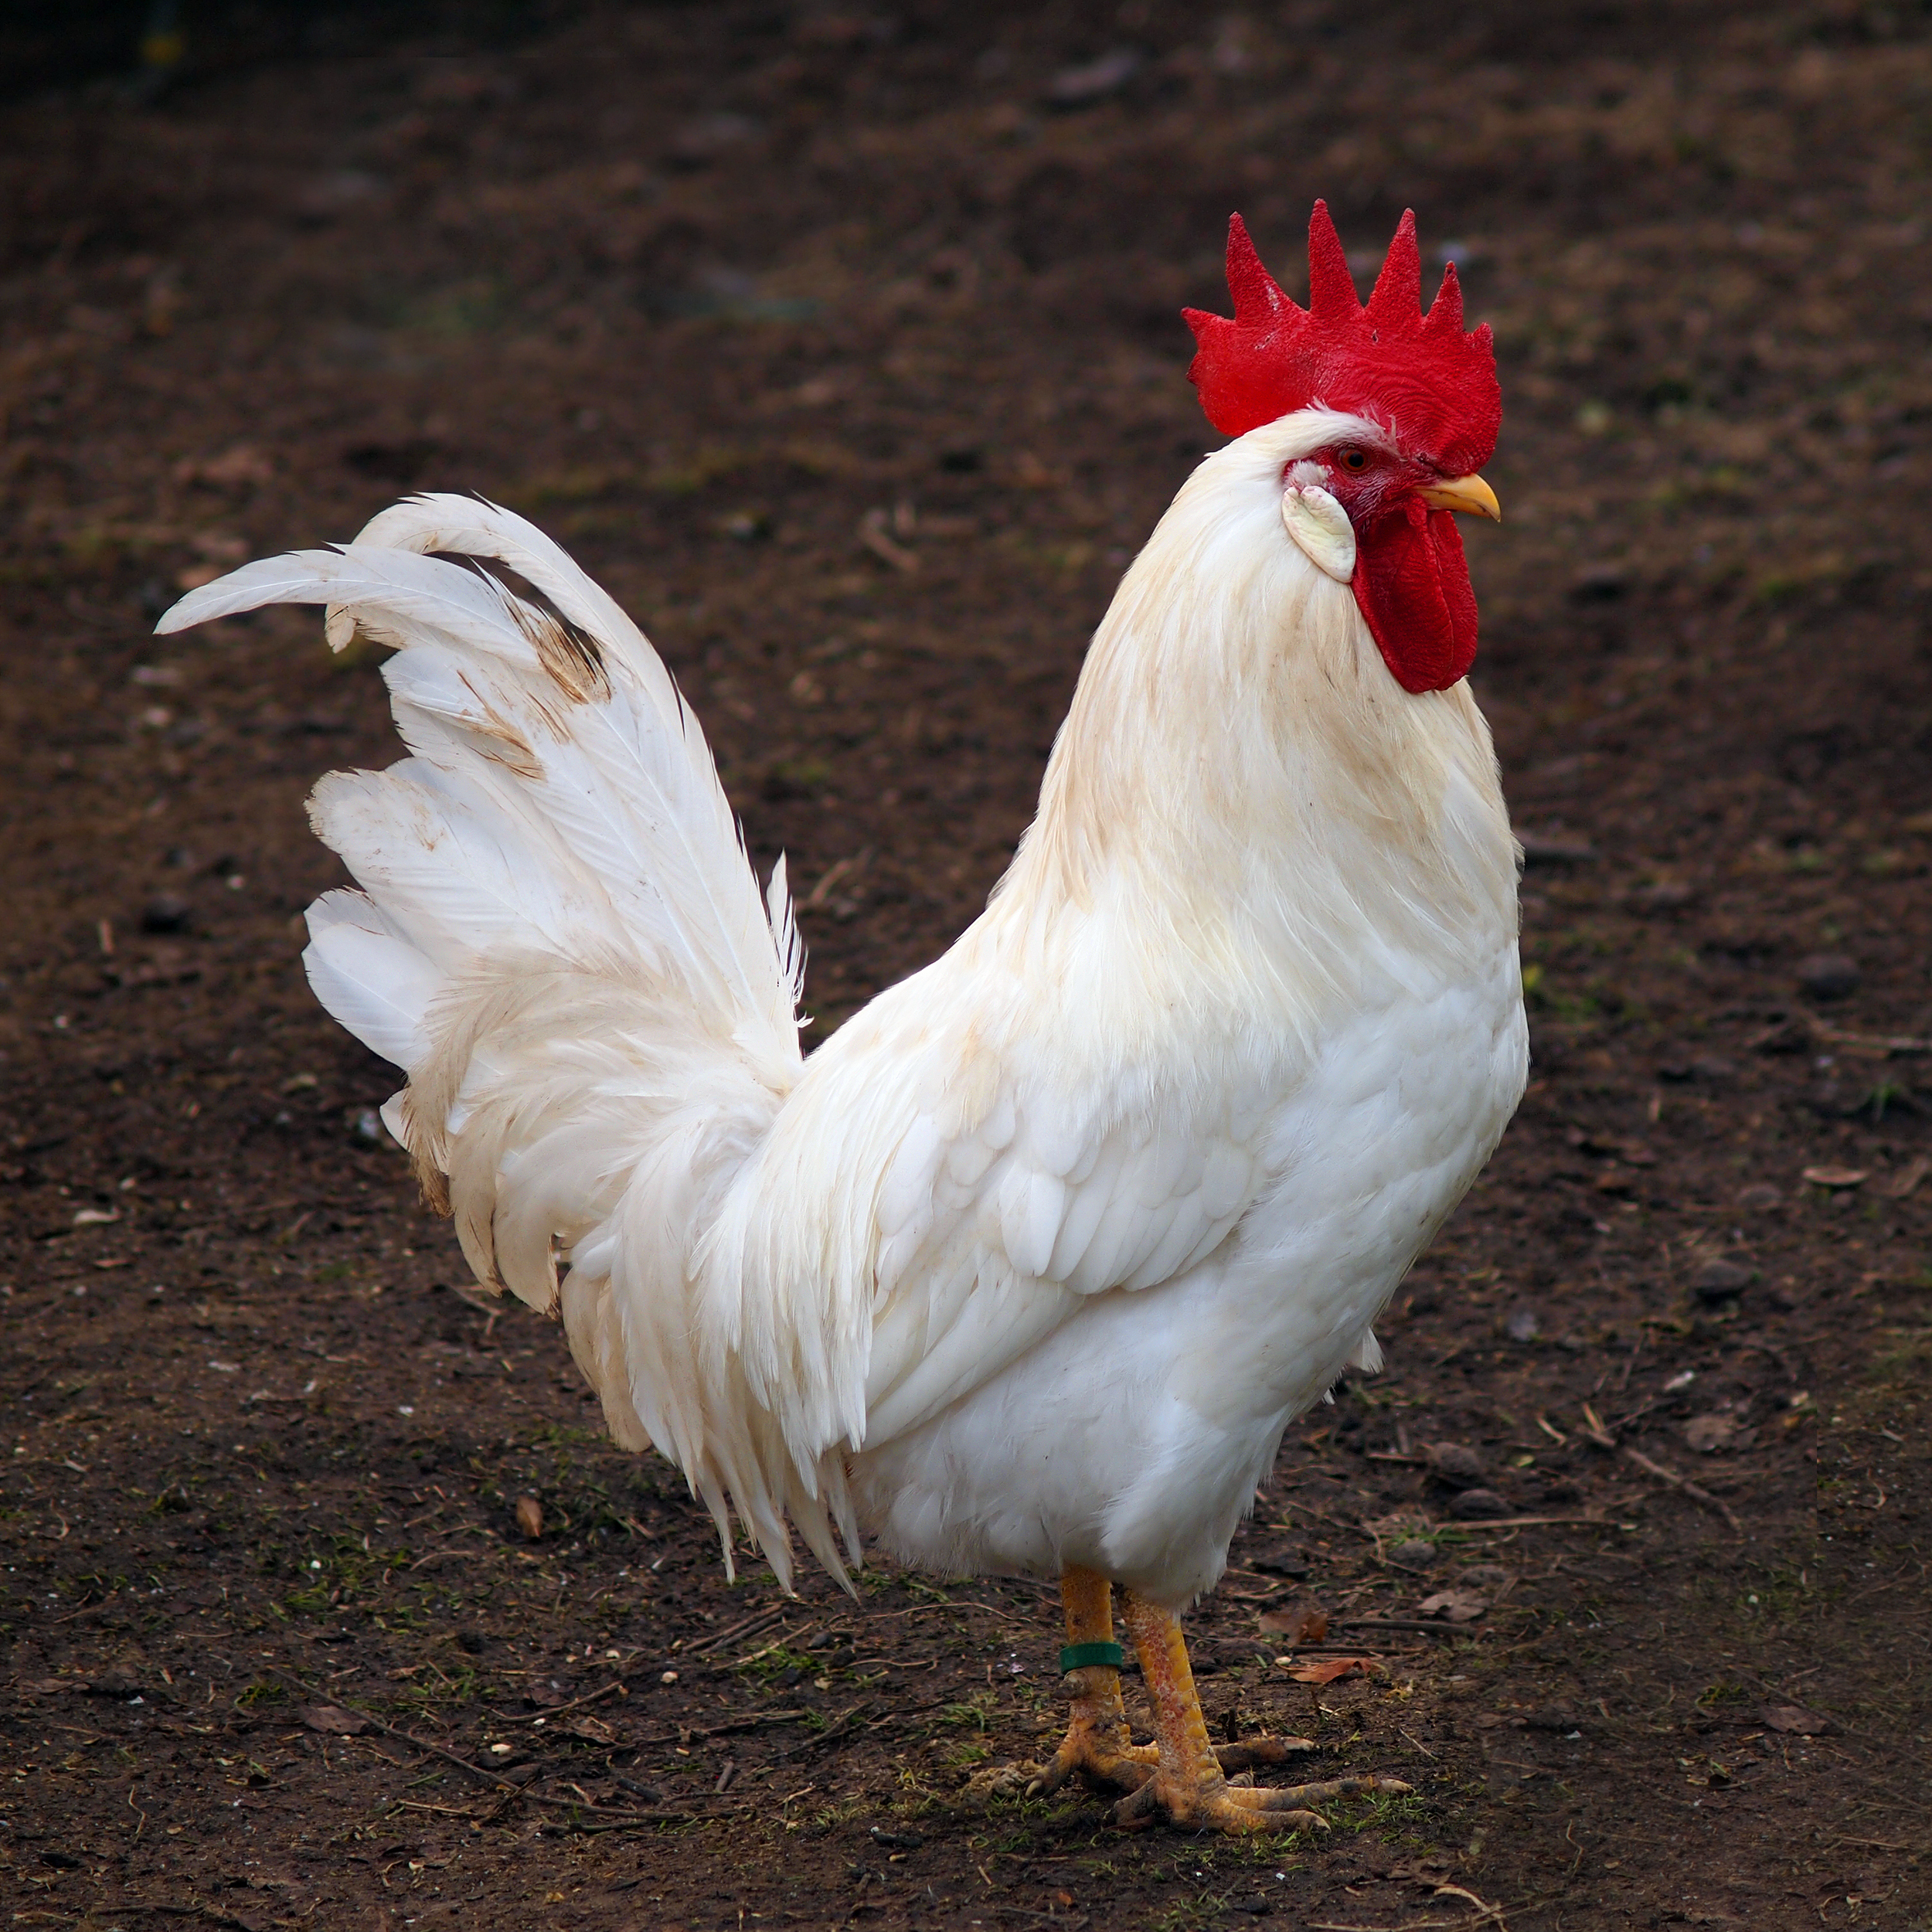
point(1524, 1325)
point(1711, 1068)
point(165, 913)
point(1600, 584)
point(1829, 976)
point(1476, 1505)
point(1456, 1462)
point(1323, 1492)
point(1718, 1281)
point(1280, 1562)
point(1416, 1553)
point(1095, 80)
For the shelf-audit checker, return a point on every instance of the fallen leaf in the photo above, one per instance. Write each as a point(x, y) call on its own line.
point(332, 1719)
point(1453, 1605)
point(1794, 1718)
point(1326, 1670)
point(593, 1730)
point(1707, 1434)
point(529, 1517)
point(1494, 1576)
point(1835, 1176)
point(1901, 1184)
point(1300, 1623)
point(243, 464)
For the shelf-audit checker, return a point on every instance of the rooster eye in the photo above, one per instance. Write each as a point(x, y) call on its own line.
point(1353, 458)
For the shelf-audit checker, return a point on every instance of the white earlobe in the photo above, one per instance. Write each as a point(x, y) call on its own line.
point(1320, 526)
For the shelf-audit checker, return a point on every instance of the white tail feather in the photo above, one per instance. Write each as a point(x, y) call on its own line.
point(559, 938)
point(370, 977)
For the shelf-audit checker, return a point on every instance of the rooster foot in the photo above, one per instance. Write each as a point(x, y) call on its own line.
point(1097, 1747)
point(1102, 1755)
point(1189, 1786)
point(1209, 1803)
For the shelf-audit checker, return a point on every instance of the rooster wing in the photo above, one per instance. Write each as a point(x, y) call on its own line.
point(996, 1193)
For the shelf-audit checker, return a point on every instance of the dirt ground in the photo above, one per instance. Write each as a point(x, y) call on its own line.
point(843, 346)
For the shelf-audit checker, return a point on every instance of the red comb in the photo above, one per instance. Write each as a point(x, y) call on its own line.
point(1420, 375)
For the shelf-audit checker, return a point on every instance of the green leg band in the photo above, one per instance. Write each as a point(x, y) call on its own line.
point(1080, 1656)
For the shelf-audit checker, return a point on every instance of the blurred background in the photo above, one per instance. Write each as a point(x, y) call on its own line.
point(842, 344)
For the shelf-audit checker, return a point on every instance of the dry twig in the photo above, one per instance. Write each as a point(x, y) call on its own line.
point(1691, 1489)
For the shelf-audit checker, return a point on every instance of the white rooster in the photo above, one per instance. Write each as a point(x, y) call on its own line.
point(1027, 1268)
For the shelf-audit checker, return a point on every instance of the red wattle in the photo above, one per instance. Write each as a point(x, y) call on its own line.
point(1412, 585)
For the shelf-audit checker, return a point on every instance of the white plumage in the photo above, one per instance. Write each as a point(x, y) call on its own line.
point(1031, 1264)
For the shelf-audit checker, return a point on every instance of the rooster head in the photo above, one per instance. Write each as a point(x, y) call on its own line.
point(1409, 409)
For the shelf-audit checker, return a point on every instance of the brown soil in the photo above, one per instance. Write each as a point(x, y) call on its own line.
point(848, 359)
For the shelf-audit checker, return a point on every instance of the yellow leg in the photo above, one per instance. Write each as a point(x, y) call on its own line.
point(1096, 1743)
point(1189, 1786)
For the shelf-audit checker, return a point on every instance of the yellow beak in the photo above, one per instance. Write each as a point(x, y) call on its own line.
point(1469, 494)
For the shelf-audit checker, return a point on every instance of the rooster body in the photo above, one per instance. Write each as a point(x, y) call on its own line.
point(1028, 1267)
point(1149, 1149)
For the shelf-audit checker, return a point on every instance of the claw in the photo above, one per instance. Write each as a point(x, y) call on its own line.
point(1260, 1750)
point(1087, 1752)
